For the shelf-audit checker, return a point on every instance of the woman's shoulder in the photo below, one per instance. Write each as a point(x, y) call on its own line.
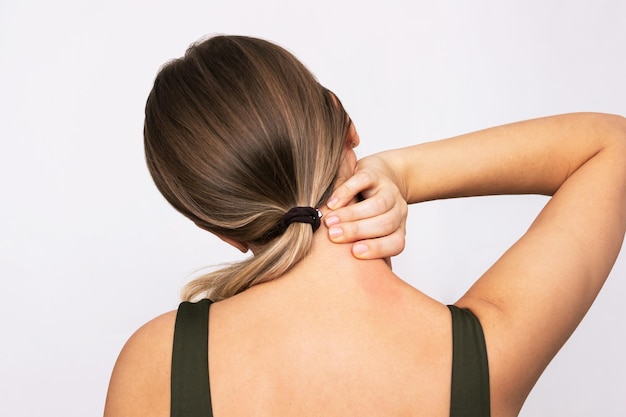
point(140, 381)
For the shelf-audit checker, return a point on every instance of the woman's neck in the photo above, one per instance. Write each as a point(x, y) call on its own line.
point(328, 271)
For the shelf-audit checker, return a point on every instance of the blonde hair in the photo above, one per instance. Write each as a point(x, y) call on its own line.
point(237, 132)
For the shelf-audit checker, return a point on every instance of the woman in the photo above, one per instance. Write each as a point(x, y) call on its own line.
point(243, 140)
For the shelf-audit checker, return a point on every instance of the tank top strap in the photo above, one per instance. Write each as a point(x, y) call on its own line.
point(190, 388)
point(470, 368)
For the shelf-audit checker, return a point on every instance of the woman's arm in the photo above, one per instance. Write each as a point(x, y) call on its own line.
point(532, 157)
point(534, 296)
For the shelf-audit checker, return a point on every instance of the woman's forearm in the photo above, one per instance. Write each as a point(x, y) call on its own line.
point(531, 157)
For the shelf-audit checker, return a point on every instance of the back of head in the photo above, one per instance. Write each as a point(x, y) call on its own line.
point(237, 132)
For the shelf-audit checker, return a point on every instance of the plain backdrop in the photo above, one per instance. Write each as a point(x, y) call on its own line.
point(89, 250)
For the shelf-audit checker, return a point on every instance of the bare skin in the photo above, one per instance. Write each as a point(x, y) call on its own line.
point(343, 336)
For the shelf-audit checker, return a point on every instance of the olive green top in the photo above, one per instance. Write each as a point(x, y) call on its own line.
point(191, 392)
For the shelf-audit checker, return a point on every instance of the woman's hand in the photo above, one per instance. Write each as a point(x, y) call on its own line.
point(377, 224)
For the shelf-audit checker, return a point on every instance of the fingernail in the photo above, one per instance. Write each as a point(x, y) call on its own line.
point(359, 248)
point(332, 203)
point(335, 231)
point(332, 220)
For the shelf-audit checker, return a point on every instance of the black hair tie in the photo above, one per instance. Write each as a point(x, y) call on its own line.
point(308, 215)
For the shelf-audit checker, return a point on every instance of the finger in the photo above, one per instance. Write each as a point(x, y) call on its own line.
point(378, 226)
point(347, 191)
point(382, 247)
point(373, 206)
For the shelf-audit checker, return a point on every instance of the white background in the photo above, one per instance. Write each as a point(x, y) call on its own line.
point(89, 250)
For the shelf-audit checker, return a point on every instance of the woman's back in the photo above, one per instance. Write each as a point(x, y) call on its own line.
point(354, 341)
point(335, 336)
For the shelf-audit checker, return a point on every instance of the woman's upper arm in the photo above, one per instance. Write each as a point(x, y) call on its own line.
point(535, 295)
point(140, 382)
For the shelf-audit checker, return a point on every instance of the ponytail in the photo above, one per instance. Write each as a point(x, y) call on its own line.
point(274, 260)
point(237, 132)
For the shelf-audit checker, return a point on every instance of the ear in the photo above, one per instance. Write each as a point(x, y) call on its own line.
point(237, 244)
point(352, 138)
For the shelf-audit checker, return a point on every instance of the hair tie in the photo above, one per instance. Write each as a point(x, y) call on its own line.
point(308, 215)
